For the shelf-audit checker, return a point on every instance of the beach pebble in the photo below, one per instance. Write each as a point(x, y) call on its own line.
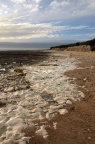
point(42, 132)
point(60, 100)
point(63, 111)
point(3, 69)
point(84, 79)
point(8, 89)
point(48, 115)
point(55, 125)
point(18, 70)
point(26, 139)
point(81, 94)
point(68, 102)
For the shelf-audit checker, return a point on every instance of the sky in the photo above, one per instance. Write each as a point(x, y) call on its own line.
point(46, 20)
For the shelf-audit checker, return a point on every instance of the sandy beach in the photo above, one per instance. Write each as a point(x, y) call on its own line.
point(47, 97)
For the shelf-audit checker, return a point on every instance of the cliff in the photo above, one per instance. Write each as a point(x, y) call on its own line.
point(79, 46)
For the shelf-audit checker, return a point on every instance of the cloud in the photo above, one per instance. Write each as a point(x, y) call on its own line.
point(55, 4)
point(23, 19)
point(71, 9)
point(54, 10)
point(35, 11)
point(28, 31)
point(3, 9)
point(26, 6)
point(18, 1)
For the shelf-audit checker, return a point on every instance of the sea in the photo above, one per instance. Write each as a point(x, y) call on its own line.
point(5, 46)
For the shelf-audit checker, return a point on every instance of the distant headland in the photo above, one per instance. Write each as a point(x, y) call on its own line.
point(78, 46)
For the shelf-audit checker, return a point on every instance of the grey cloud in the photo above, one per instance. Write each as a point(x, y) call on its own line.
point(33, 11)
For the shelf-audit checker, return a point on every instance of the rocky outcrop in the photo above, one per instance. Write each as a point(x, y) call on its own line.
point(85, 48)
point(79, 46)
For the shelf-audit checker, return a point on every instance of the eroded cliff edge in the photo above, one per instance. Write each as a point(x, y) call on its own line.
point(79, 46)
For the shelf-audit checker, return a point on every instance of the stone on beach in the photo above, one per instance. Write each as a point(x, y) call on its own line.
point(2, 103)
point(3, 69)
point(68, 102)
point(42, 132)
point(8, 89)
point(60, 100)
point(63, 111)
point(19, 71)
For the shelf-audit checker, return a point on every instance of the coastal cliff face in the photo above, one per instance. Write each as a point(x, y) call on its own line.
point(82, 46)
point(79, 48)
point(75, 48)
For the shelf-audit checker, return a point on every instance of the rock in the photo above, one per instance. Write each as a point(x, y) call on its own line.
point(2, 137)
point(16, 88)
point(63, 111)
point(41, 117)
point(47, 96)
point(9, 128)
point(35, 115)
point(22, 86)
point(9, 134)
point(14, 62)
point(1, 84)
point(18, 71)
point(2, 104)
point(7, 141)
point(9, 89)
point(68, 102)
point(48, 115)
point(55, 125)
point(56, 107)
point(89, 138)
point(51, 111)
point(81, 94)
point(26, 139)
point(12, 77)
point(42, 132)
point(16, 123)
point(83, 86)
point(3, 69)
point(60, 100)
point(85, 79)
point(2, 123)
point(37, 110)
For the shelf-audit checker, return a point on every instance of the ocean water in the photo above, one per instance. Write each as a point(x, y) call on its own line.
point(22, 49)
point(25, 46)
point(29, 45)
